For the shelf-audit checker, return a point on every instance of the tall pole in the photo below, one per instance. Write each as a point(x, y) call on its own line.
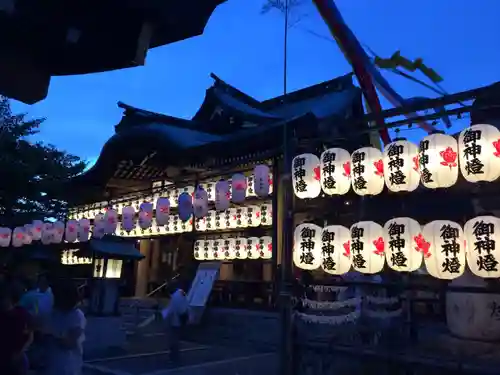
point(285, 296)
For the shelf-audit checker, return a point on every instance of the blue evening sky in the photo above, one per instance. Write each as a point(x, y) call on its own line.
point(457, 38)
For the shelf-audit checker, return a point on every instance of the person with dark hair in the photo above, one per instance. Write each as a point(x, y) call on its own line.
point(16, 332)
point(66, 330)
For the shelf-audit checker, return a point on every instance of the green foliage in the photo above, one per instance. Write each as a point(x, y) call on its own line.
point(32, 173)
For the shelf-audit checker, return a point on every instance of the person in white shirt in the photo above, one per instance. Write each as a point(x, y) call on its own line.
point(176, 314)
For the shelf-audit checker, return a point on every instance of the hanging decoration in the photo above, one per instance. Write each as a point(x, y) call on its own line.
point(401, 166)
point(445, 254)
point(336, 249)
point(253, 248)
point(128, 218)
point(481, 235)
point(47, 233)
point(367, 247)
point(222, 195)
point(367, 171)
point(200, 202)
point(261, 180)
point(306, 176)
point(238, 188)
point(71, 231)
point(438, 161)
point(208, 251)
point(27, 234)
point(110, 221)
point(185, 206)
point(240, 248)
point(99, 225)
point(479, 153)
point(5, 236)
point(58, 231)
point(83, 230)
point(402, 253)
point(217, 249)
point(18, 237)
point(307, 246)
point(228, 248)
point(335, 166)
point(252, 216)
point(198, 250)
point(266, 247)
point(162, 210)
point(36, 232)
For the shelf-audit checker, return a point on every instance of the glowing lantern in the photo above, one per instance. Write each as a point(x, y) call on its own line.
point(335, 164)
point(266, 214)
point(110, 221)
point(479, 153)
point(18, 237)
point(253, 248)
point(47, 233)
point(306, 176)
point(185, 206)
point(36, 231)
point(145, 215)
point(241, 217)
point(250, 186)
point(128, 218)
point(228, 248)
point(5, 236)
point(162, 211)
point(266, 247)
point(198, 250)
point(240, 248)
point(71, 231)
point(401, 249)
point(401, 166)
point(208, 252)
point(28, 238)
point(481, 236)
point(367, 247)
point(336, 250)
point(238, 188)
point(83, 230)
point(58, 231)
point(222, 195)
point(217, 249)
point(442, 244)
point(99, 225)
point(438, 161)
point(367, 171)
point(210, 220)
point(307, 246)
point(230, 218)
point(201, 224)
point(253, 216)
point(261, 180)
point(200, 202)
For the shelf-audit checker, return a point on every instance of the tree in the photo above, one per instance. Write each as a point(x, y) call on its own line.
point(32, 173)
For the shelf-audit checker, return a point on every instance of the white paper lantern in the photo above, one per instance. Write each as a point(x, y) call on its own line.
point(47, 233)
point(367, 171)
point(367, 247)
point(443, 248)
point(210, 220)
point(230, 217)
point(228, 248)
point(253, 215)
point(241, 217)
point(266, 247)
point(36, 232)
point(83, 230)
point(401, 252)
point(110, 221)
point(162, 210)
point(208, 253)
point(479, 153)
point(71, 231)
point(128, 218)
point(253, 248)
point(219, 220)
point(28, 238)
point(335, 250)
point(240, 248)
point(218, 249)
point(261, 181)
point(200, 202)
point(222, 195)
point(307, 246)
point(250, 186)
point(198, 250)
point(18, 237)
point(58, 231)
point(401, 171)
point(201, 224)
point(438, 161)
point(238, 188)
point(98, 230)
point(483, 253)
point(335, 171)
point(306, 176)
point(5, 236)
point(145, 217)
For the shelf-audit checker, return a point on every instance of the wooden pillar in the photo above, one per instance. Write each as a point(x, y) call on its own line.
point(226, 271)
point(267, 272)
point(154, 274)
point(141, 284)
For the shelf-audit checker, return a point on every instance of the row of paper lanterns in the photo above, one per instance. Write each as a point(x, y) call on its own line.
point(69, 258)
point(234, 248)
point(235, 190)
point(403, 165)
point(402, 243)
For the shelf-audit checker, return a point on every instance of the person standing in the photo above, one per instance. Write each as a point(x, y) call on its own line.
point(176, 315)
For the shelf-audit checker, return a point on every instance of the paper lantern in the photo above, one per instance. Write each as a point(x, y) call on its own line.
point(83, 230)
point(28, 238)
point(18, 237)
point(479, 153)
point(401, 171)
point(222, 195)
point(253, 215)
point(306, 176)
point(241, 217)
point(438, 161)
point(186, 226)
point(200, 202)
point(266, 214)
point(185, 206)
point(266, 247)
point(401, 250)
point(253, 248)
point(228, 248)
point(162, 211)
point(261, 180)
point(209, 187)
point(307, 246)
point(335, 164)
point(36, 232)
point(71, 231)
point(201, 224)
point(58, 231)
point(250, 186)
point(442, 244)
point(481, 236)
point(210, 220)
point(367, 171)
point(238, 188)
point(218, 249)
point(198, 250)
point(219, 220)
point(230, 218)
point(335, 250)
point(367, 247)
point(110, 221)
point(5, 236)
point(145, 216)
point(47, 233)
point(240, 248)
point(98, 230)
point(128, 218)
point(208, 253)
